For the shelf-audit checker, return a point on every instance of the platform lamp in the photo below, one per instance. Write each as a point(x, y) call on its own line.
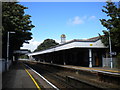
point(111, 61)
point(8, 36)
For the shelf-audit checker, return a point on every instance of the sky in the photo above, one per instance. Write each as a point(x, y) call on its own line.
point(77, 20)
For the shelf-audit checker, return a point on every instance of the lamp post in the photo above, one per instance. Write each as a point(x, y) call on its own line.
point(110, 48)
point(8, 35)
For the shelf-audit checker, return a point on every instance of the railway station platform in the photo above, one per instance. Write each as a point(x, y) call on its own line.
point(18, 77)
point(95, 69)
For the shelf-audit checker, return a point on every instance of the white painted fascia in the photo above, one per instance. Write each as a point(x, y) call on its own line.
point(75, 44)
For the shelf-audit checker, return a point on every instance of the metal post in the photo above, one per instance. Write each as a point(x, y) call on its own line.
point(7, 51)
point(90, 58)
point(7, 62)
point(111, 61)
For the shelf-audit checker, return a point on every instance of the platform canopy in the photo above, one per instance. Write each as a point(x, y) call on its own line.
point(76, 43)
point(22, 51)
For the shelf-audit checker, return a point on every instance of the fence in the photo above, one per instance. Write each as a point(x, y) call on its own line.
point(116, 62)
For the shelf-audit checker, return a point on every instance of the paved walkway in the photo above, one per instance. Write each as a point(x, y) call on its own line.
point(18, 77)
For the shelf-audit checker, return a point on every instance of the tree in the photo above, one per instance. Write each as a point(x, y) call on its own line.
point(14, 19)
point(113, 25)
point(46, 44)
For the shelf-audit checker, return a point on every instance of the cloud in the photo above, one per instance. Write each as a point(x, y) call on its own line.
point(32, 45)
point(92, 17)
point(58, 40)
point(77, 20)
point(74, 21)
point(80, 20)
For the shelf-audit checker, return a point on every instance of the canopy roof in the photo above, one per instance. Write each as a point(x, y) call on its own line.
point(94, 42)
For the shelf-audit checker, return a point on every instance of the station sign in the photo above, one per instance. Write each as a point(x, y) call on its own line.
point(113, 53)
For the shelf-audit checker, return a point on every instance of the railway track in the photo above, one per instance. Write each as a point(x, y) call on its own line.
point(59, 78)
point(53, 78)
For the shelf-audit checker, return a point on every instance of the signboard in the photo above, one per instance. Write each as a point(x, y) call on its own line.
point(91, 44)
point(113, 53)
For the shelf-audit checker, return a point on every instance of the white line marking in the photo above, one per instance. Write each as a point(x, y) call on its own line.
point(43, 78)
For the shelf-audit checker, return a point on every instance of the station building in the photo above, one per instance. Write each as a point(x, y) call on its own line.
point(79, 52)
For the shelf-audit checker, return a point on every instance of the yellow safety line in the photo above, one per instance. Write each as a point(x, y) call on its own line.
point(101, 70)
point(33, 79)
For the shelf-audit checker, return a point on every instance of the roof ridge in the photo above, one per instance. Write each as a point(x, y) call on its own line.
point(97, 37)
